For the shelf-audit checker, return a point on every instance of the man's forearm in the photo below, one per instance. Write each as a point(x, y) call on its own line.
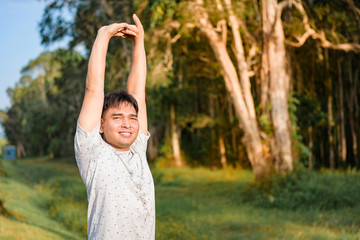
point(96, 68)
point(137, 78)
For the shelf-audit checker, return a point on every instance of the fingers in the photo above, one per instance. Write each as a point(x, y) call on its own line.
point(126, 33)
point(118, 26)
point(137, 21)
point(125, 30)
point(132, 28)
point(120, 34)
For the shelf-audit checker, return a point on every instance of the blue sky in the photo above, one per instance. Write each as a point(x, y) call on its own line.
point(19, 40)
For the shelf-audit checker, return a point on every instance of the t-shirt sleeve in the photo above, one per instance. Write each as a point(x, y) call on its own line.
point(140, 143)
point(84, 145)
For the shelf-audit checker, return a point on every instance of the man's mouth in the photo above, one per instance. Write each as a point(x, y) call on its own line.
point(125, 134)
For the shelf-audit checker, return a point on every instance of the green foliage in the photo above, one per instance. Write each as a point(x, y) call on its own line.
point(46, 102)
point(266, 125)
point(3, 142)
point(307, 190)
point(308, 111)
point(305, 112)
point(303, 150)
point(340, 25)
point(79, 21)
point(160, 10)
point(292, 22)
point(197, 144)
point(195, 121)
point(333, 17)
point(165, 158)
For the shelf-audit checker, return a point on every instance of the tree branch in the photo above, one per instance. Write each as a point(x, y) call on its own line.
point(243, 69)
point(310, 32)
point(353, 8)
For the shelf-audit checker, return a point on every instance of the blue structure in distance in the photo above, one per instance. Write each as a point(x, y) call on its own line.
point(9, 152)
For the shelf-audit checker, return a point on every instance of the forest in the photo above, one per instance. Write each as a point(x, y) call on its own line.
point(253, 110)
point(255, 84)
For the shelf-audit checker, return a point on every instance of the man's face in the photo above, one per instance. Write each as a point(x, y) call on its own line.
point(120, 126)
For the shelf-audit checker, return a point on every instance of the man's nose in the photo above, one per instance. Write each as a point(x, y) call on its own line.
point(125, 123)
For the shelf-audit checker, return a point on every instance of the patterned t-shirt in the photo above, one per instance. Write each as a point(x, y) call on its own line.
point(120, 187)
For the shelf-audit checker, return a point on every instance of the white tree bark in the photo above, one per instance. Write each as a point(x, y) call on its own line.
point(279, 79)
point(243, 104)
point(223, 159)
point(175, 138)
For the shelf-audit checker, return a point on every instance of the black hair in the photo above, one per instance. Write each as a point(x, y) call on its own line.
point(115, 99)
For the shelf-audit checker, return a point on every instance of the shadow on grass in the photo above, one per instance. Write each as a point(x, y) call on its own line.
point(67, 236)
point(48, 191)
point(205, 204)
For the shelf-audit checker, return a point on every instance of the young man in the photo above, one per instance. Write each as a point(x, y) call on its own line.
point(114, 169)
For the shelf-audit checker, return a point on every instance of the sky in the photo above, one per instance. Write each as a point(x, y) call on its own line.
point(19, 41)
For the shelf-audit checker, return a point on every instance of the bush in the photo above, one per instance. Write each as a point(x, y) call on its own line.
point(71, 214)
point(306, 190)
point(70, 204)
point(69, 187)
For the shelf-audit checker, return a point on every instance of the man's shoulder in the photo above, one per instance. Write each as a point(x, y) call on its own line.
point(94, 132)
point(140, 143)
point(84, 141)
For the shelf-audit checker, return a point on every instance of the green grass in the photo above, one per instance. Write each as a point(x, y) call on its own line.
point(46, 199)
point(205, 204)
point(26, 195)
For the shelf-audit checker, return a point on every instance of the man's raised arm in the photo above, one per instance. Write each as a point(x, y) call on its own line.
point(137, 77)
point(91, 109)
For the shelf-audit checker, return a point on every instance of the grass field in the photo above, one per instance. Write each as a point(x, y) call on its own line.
point(46, 199)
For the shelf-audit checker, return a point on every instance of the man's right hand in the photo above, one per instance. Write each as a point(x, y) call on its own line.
point(122, 30)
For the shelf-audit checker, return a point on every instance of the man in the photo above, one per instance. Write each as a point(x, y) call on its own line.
point(114, 169)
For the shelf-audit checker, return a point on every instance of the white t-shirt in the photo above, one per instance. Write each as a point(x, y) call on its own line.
point(120, 187)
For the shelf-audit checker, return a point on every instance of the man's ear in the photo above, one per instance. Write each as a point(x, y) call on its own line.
point(102, 126)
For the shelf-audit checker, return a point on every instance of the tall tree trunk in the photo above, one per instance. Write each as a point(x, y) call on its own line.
point(311, 146)
point(265, 68)
point(331, 123)
point(356, 114)
point(351, 101)
point(342, 114)
point(222, 148)
point(175, 138)
point(214, 146)
point(20, 150)
point(234, 144)
point(274, 44)
point(152, 150)
point(251, 140)
point(322, 150)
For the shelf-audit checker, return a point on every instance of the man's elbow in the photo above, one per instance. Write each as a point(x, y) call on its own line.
point(93, 91)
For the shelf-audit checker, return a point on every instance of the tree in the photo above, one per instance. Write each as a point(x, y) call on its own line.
point(45, 104)
point(251, 54)
point(266, 152)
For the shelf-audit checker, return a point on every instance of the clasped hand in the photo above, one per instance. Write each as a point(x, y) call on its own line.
point(124, 30)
